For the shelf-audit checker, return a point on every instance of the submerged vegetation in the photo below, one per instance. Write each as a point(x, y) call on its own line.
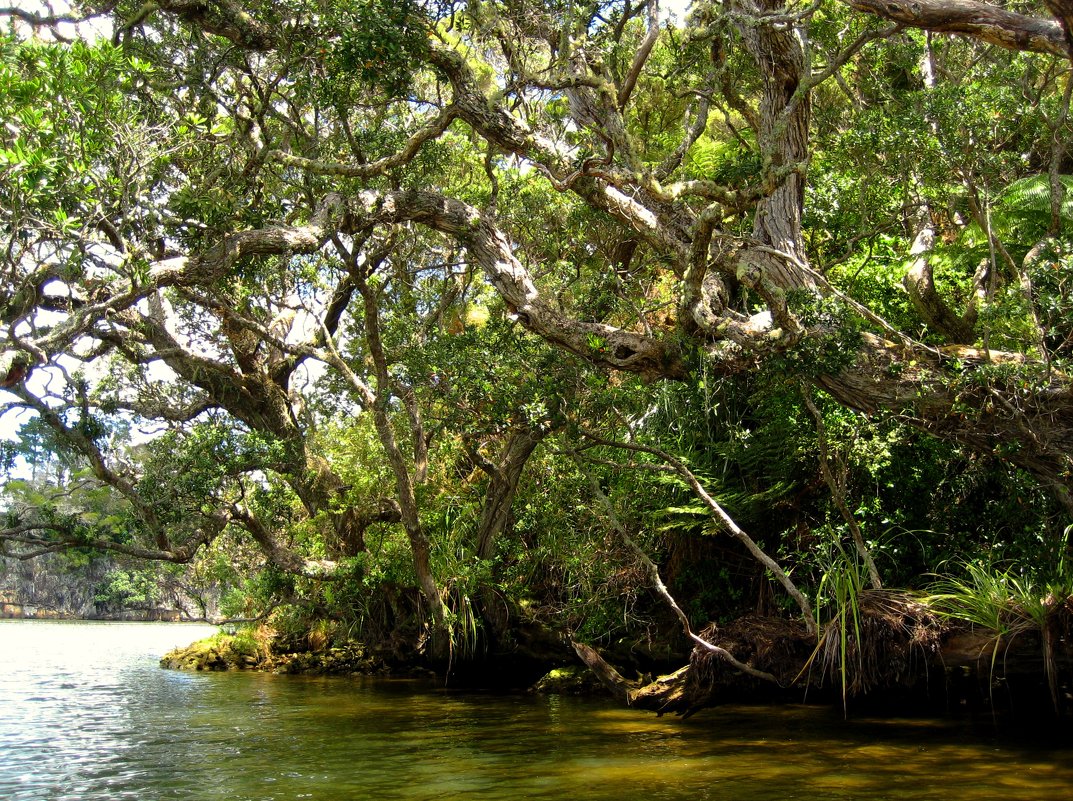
point(728, 349)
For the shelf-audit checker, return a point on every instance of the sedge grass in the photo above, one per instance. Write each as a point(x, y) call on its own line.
point(1007, 603)
point(838, 603)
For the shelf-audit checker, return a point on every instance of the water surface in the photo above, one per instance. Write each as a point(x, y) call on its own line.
point(86, 715)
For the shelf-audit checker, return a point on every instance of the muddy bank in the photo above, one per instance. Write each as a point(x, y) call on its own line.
point(260, 649)
point(897, 656)
point(906, 659)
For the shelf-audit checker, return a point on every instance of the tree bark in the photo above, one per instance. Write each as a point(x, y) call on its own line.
point(983, 21)
point(503, 478)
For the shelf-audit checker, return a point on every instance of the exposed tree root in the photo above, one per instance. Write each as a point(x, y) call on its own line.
point(904, 646)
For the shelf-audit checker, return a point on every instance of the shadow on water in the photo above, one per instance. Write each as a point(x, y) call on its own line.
point(122, 728)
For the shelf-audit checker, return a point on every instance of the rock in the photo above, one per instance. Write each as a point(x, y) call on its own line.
point(572, 680)
point(246, 651)
point(215, 653)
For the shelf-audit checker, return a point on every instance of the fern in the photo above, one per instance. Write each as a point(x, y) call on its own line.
point(1028, 202)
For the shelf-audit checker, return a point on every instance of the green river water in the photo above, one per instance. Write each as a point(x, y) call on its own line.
point(86, 715)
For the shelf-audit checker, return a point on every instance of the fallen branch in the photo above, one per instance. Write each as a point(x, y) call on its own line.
point(659, 586)
point(728, 522)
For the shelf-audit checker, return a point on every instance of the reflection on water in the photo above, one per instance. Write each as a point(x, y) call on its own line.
point(85, 714)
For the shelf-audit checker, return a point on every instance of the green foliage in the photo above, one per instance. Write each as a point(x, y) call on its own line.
point(1023, 210)
point(186, 471)
point(838, 602)
point(379, 46)
point(258, 592)
point(1050, 274)
point(1005, 600)
point(127, 588)
point(730, 162)
point(46, 92)
point(836, 340)
point(465, 381)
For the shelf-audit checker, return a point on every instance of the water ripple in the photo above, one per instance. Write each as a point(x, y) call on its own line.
point(86, 715)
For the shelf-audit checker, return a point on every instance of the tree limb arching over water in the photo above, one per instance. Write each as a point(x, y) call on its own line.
point(324, 278)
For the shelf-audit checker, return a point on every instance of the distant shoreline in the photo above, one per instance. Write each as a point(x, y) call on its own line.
point(19, 611)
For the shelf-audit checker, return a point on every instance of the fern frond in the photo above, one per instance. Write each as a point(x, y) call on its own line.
point(1029, 200)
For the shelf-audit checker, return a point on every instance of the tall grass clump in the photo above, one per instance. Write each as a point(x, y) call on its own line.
point(843, 579)
point(464, 624)
point(1008, 603)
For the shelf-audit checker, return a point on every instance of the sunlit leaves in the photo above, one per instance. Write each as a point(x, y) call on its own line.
point(187, 472)
point(126, 160)
point(379, 43)
point(1051, 274)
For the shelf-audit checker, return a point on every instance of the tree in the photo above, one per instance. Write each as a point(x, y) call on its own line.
point(228, 194)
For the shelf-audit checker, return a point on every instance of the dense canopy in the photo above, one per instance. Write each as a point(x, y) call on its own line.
point(479, 313)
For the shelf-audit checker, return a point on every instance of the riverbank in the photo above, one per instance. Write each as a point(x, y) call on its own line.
point(893, 653)
point(77, 586)
point(19, 611)
point(911, 660)
point(257, 649)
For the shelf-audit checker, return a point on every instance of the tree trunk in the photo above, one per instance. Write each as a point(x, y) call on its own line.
point(784, 117)
point(504, 477)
